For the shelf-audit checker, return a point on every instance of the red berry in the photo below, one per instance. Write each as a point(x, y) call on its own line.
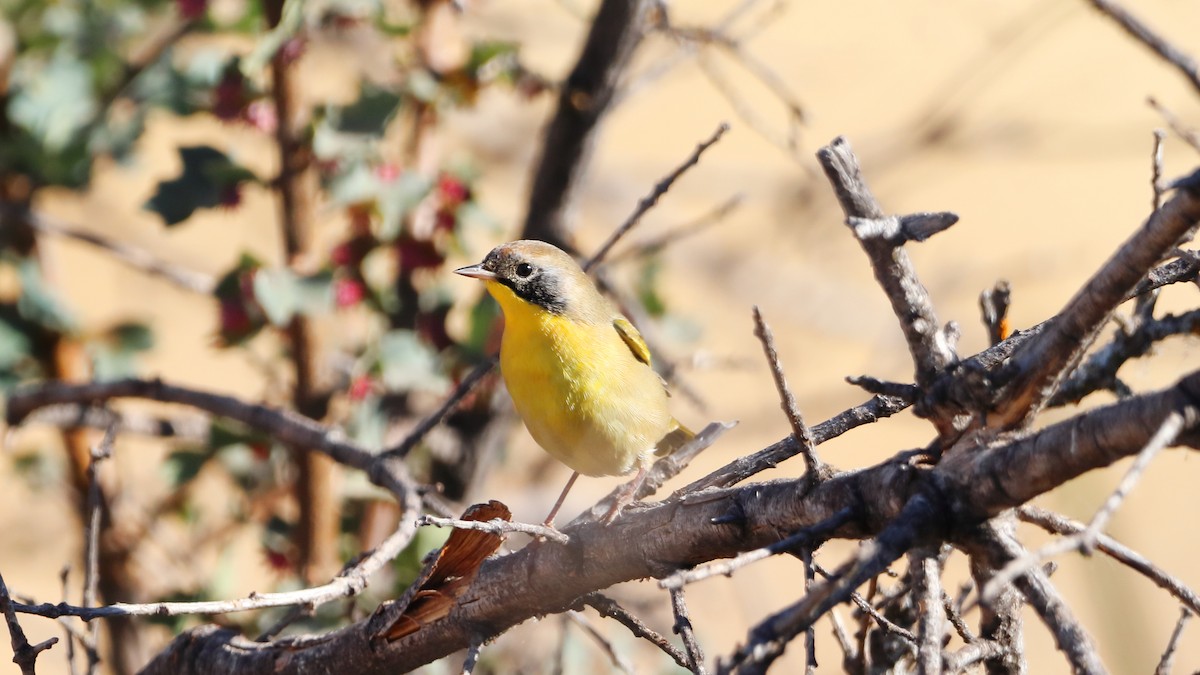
point(229, 96)
point(342, 255)
point(292, 50)
point(191, 9)
point(234, 318)
point(277, 560)
point(261, 115)
point(348, 292)
point(453, 191)
point(417, 254)
point(388, 171)
point(360, 387)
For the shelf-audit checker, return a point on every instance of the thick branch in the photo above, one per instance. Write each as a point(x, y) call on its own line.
point(1038, 366)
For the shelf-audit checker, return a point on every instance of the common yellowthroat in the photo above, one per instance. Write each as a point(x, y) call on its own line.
point(578, 371)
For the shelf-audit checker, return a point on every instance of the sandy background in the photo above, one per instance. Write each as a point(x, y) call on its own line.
point(1043, 150)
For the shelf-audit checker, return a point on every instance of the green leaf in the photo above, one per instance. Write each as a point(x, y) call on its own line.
point(132, 336)
point(397, 198)
point(37, 303)
point(369, 115)
point(182, 466)
point(283, 295)
point(407, 364)
point(481, 324)
point(14, 345)
point(206, 180)
point(54, 100)
point(647, 287)
point(290, 23)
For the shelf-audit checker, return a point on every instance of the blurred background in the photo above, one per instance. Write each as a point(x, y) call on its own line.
point(1029, 120)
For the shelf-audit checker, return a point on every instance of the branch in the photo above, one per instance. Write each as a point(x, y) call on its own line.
point(683, 628)
point(582, 102)
point(1168, 656)
point(24, 654)
point(496, 526)
point(1032, 376)
point(648, 202)
point(1144, 34)
point(998, 547)
point(1054, 523)
point(927, 590)
point(800, 431)
point(284, 425)
point(347, 584)
point(658, 539)
point(891, 264)
point(607, 607)
point(138, 259)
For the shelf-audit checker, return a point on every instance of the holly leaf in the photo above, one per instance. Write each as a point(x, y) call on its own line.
point(408, 364)
point(209, 178)
point(282, 294)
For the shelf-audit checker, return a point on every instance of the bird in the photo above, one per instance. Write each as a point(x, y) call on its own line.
point(578, 372)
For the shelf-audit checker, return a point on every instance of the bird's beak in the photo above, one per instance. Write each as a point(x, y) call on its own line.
point(476, 272)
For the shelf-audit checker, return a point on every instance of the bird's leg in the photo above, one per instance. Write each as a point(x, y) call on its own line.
point(549, 522)
point(625, 496)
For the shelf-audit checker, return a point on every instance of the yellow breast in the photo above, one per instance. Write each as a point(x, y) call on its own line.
point(583, 395)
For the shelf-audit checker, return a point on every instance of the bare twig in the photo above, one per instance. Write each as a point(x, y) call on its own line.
point(24, 654)
point(1156, 169)
point(139, 259)
point(497, 525)
point(893, 269)
point(91, 548)
point(878, 407)
point(1187, 134)
point(1057, 524)
point(873, 385)
point(870, 612)
point(927, 591)
point(607, 607)
point(899, 230)
point(1168, 655)
point(810, 635)
point(605, 645)
point(807, 538)
point(976, 652)
point(1148, 37)
point(472, 658)
point(955, 617)
point(683, 628)
point(283, 425)
point(800, 431)
point(1100, 369)
point(348, 583)
point(993, 303)
point(999, 548)
point(651, 199)
point(422, 429)
point(653, 245)
point(767, 640)
point(1085, 541)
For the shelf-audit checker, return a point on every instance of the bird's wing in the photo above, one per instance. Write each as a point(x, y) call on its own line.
point(633, 339)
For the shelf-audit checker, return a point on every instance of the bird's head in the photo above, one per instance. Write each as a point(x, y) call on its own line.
point(536, 273)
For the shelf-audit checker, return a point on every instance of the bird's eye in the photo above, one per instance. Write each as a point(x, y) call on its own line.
point(524, 270)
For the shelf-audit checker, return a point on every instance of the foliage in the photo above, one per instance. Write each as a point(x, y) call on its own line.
point(86, 80)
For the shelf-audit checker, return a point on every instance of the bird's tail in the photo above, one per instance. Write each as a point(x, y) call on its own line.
point(675, 439)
